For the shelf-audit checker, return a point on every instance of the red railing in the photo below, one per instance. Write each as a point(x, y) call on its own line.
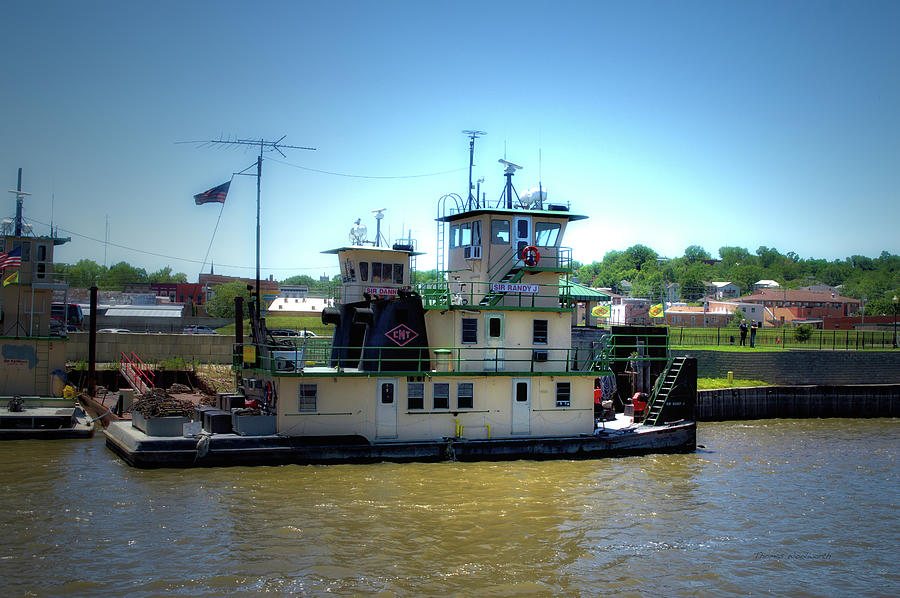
point(141, 371)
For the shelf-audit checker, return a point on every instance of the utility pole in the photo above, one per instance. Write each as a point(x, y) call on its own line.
point(264, 146)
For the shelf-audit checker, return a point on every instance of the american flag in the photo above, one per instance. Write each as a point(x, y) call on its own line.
point(11, 259)
point(214, 195)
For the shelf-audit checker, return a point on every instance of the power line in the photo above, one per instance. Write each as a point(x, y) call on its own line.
point(363, 176)
point(172, 257)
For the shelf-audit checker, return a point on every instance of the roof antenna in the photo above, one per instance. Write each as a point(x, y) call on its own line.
point(473, 135)
point(540, 176)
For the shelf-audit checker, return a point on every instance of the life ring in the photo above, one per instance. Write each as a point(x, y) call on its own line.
point(530, 255)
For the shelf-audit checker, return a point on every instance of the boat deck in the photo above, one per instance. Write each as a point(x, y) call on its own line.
point(44, 422)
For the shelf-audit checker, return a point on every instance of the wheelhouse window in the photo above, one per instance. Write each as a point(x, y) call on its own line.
point(465, 395)
point(500, 232)
point(454, 236)
point(364, 271)
point(469, 330)
point(539, 332)
point(465, 234)
point(546, 234)
point(376, 271)
point(398, 273)
point(306, 397)
point(441, 395)
point(563, 394)
point(415, 395)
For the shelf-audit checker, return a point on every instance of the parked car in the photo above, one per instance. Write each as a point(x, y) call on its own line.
point(115, 330)
point(198, 330)
point(287, 332)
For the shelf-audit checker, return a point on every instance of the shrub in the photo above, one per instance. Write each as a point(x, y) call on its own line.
point(803, 333)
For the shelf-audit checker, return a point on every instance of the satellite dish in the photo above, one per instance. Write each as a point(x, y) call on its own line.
point(358, 233)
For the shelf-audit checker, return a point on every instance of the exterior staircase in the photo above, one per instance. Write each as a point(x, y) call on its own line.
point(662, 389)
point(493, 297)
point(138, 375)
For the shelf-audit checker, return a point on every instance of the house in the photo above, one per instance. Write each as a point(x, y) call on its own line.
point(722, 290)
point(631, 311)
point(766, 284)
point(752, 311)
point(695, 316)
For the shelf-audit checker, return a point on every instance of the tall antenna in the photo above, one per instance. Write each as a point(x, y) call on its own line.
point(473, 135)
point(20, 195)
point(264, 146)
point(106, 242)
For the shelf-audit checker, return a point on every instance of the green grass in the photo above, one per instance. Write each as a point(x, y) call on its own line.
point(717, 383)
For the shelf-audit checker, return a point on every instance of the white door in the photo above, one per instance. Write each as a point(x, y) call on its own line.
point(386, 408)
point(521, 235)
point(521, 406)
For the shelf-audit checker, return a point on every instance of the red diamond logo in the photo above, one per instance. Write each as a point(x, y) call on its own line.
point(402, 334)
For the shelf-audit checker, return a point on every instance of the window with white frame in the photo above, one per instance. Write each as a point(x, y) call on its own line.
point(306, 397)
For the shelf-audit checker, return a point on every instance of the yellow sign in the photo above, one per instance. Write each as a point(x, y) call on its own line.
point(657, 311)
point(601, 311)
point(14, 277)
point(249, 353)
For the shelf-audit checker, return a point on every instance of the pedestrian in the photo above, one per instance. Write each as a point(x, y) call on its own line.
point(743, 328)
point(753, 329)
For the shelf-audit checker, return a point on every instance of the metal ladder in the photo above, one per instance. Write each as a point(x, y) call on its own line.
point(663, 388)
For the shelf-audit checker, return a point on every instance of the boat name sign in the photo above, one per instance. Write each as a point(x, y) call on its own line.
point(513, 287)
point(382, 291)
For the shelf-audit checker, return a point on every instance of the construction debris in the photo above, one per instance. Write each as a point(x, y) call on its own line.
point(158, 403)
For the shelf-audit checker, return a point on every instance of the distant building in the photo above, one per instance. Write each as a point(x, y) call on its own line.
point(766, 284)
point(805, 304)
point(722, 290)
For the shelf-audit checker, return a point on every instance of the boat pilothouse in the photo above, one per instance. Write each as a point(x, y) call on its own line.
point(483, 356)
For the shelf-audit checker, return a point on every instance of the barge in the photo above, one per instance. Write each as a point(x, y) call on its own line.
point(476, 366)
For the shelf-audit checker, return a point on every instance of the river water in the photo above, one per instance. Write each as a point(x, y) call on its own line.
point(774, 507)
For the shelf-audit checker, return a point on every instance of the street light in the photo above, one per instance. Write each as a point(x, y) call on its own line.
point(895, 321)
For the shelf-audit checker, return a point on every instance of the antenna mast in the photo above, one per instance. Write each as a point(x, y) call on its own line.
point(473, 135)
point(264, 146)
point(20, 195)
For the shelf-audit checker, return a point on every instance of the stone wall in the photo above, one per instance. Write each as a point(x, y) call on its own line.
point(153, 348)
point(801, 367)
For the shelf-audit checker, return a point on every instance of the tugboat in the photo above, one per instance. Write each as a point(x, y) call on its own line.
point(477, 366)
point(32, 373)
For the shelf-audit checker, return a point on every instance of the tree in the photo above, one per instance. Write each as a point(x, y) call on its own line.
point(695, 253)
point(83, 274)
point(803, 333)
point(164, 275)
point(221, 305)
point(118, 275)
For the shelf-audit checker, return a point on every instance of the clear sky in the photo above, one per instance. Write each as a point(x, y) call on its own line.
point(668, 123)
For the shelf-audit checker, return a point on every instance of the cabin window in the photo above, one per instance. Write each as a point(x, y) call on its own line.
point(539, 332)
point(465, 395)
point(441, 395)
point(469, 330)
point(415, 395)
point(563, 394)
point(521, 392)
point(454, 236)
point(398, 273)
point(465, 234)
point(306, 397)
point(42, 253)
point(546, 234)
point(363, 271)
point(376, 271)
point(500, 232)
point(41, 270)
point(26, 249)
point(495, 326)
point(476, 233)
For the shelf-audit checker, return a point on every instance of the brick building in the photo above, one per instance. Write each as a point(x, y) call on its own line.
point(805, 304)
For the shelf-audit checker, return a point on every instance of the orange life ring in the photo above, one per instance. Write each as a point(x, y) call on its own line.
point(530, 255)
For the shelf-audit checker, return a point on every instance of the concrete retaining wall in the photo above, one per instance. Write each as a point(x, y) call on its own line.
point(801, 367)
point(765, 402)
point(153, 348)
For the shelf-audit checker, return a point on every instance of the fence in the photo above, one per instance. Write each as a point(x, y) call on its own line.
point(785, 338)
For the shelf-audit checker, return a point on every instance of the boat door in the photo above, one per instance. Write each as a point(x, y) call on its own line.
point(521, 235)
point(521, 406)
point(386, 408)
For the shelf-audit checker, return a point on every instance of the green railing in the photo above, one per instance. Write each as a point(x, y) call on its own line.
point(445, 294)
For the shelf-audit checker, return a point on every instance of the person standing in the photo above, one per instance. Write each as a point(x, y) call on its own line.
point(753, 328)
point(743, 329)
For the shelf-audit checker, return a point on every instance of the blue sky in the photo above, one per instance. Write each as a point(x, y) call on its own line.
point(668, 123)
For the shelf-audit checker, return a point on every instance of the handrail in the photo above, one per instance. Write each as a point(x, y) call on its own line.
point(140, 369)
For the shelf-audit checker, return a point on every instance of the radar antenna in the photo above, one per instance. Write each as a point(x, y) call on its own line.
point(508, 192)
point(379, 216)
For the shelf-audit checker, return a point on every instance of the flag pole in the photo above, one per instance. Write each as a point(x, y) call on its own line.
point(258, 187)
